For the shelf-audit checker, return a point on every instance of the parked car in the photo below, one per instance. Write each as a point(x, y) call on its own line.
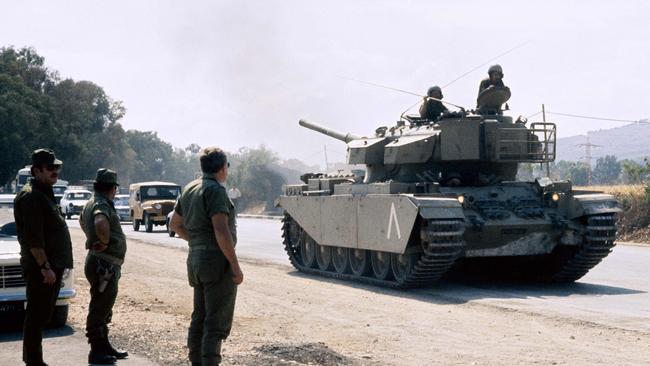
point(12, 283)
point(151, 202)
point(121, 203)
point(73, 201)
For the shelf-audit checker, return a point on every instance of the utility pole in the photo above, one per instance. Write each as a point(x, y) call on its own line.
point(588, 157)
point(327, 165)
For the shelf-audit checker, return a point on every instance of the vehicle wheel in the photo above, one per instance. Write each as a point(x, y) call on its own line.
point(341, 260)
point(308, 252)
point(136, 224)
point(148, 223)
point(359, 263)
point(68, 216)
point(59, 317)
point(403, 265)
point(380, 263)
point(323, 257)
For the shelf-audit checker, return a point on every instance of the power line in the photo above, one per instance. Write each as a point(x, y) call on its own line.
point(644, 120)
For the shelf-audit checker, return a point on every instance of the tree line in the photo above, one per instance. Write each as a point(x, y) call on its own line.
point(607, 170)
point(39, 108)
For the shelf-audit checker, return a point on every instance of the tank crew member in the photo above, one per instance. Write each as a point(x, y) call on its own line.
point(106, 244)
point(45, 249)
point(205, 217)
point(495, 78)
point(431, 109)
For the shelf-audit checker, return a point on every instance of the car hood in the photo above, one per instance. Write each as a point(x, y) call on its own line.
point(9, 247)
point(162, 202)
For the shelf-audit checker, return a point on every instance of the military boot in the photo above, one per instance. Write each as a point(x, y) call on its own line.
point(99, 354)
point(117, 353)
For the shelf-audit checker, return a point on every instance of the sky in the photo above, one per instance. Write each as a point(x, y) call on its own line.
point(242, 73)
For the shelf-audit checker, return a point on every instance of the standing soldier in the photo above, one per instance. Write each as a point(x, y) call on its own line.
point(106, 246)
point(432, 107)
point(205, 217)
point(45, 249)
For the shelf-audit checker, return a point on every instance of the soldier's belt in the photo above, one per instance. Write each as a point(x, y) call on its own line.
point(107, 257)
point(203, 247)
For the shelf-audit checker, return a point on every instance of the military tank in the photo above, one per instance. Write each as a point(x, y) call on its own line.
point(436, 192)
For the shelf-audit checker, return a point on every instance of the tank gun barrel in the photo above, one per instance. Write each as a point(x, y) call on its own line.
point(329, 132)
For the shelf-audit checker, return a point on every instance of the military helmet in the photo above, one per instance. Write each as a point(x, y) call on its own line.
point(434, 89)
point(495, 68)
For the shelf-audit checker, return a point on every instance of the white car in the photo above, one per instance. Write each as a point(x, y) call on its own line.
point(12, 282)
point(73, 201)
point(122, 207)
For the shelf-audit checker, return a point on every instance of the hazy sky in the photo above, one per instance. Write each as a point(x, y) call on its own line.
point(241, 73)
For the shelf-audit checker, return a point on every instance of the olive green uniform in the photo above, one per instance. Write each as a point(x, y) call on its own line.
point(208, 270)
point(98, 264)
point(432, 109)
point(486, 83)
point(40, 225)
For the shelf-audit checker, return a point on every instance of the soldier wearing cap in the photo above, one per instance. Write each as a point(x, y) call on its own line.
point(205, 217)
point(45, 249)
point(495, 78)
point(106, 244)
point(432, 107)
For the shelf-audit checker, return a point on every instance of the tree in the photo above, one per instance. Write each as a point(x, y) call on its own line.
point(607, 170)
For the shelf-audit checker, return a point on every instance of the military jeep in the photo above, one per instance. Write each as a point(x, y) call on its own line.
point(150, 202)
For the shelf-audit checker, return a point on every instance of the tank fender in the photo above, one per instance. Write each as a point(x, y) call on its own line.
point(439, 207)
point(592, 204)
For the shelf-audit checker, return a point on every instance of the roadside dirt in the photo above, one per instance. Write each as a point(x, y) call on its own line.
point(286, 318)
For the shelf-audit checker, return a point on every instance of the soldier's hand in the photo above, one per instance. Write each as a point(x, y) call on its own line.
point(49, 277)
point(98, 246)
point(237, 275)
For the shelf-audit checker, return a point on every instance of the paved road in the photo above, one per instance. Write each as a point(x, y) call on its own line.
point(616, 293)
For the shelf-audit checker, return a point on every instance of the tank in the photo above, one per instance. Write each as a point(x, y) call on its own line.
point(438, 193)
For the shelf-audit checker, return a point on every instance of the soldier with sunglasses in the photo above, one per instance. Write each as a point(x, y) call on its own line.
point(45, 249)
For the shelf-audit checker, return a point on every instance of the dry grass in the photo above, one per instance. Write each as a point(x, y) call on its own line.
point(615, 189)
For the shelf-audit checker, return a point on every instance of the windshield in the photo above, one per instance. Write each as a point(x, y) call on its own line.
point(59, 189)
point(6, 212)
point(160, 193)
point(121, 201)
point(73, 196)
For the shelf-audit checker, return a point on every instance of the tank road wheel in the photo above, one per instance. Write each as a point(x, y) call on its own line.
point(323, 257)
point(380, 263)
point(359, 262)
point(340, 259)
point(403, 265)
point(308, 251)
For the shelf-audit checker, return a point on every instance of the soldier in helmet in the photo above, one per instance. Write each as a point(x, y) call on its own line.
point(495, 78)
point(432, 108)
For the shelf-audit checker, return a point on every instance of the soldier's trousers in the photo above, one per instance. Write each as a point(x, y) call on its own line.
point(41, 300)
point(100, 309)
point(214, 304)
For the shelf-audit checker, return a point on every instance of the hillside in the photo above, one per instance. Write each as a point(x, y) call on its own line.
point(626, 142)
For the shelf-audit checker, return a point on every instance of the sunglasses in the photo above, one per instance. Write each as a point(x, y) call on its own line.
point(53, 167)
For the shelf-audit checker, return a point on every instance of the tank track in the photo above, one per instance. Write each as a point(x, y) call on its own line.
point(598, 243)
point(441, 242)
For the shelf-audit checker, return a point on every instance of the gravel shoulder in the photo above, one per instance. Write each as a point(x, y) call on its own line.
point(287, 318)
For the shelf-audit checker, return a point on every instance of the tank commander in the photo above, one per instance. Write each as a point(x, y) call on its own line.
point(495, 78)
point(432, 107)
point(45, 249)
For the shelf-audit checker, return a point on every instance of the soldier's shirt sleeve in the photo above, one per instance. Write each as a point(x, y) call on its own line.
point(217, 201)
point(33, 217)
point(178, 208)
point(101, 209)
